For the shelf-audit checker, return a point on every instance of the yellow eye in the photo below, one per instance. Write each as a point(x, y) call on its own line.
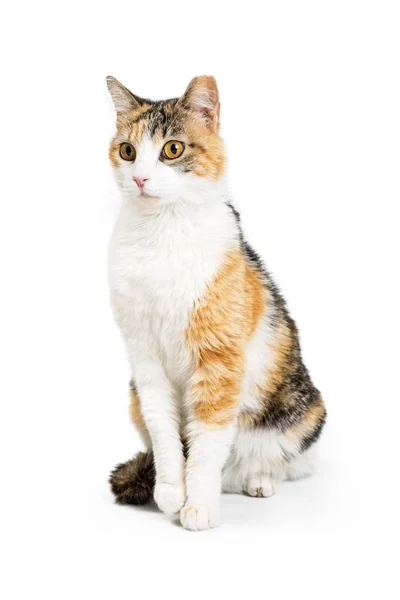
point(173, 149)
point(127, 152)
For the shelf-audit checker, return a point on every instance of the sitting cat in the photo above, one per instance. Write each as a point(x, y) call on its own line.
point(219, 392)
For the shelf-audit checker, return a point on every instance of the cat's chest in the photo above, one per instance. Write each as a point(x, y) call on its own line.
point(157, 282)
point(158, 271)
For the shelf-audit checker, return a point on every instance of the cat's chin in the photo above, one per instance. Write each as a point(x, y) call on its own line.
point(147, 202)
point(150, 199)
point(144, 199)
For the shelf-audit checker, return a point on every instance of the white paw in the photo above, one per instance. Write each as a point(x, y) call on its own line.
point(261, 486)
point(199, 517)
point(169, 497)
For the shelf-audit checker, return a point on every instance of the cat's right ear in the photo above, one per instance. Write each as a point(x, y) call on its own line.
point(123, 99)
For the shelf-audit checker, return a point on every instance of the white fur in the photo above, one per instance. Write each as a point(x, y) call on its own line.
point(264, 452)
point(259, 355)
point(209, 450)
point(165, 249)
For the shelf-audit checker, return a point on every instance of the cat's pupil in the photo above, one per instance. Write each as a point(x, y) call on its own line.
point(128, 150)
point(174, 148)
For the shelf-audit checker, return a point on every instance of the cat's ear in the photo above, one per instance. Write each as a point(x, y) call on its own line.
point(202, 97)
point(123, 99)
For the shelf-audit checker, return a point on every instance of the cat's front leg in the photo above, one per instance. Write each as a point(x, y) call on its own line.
point(161, 414)
point(212, 405)
point(216, 337)
point(209, 449)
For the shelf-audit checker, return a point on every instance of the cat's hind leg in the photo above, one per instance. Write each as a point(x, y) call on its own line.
point(302, 465)
point(264, 485)
point(257, 463)
point(246, 478)
point(250, 468)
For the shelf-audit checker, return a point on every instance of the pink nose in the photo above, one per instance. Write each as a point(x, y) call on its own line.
point(140, 181)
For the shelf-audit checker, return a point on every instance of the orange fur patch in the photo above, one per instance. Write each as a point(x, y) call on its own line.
point(208, 150)
point(138, 131)
point(136, 413)
point(281, 357)
point(218, 332)
point(113, 154)
point(126, 132)
point(314, 415)
point(282, 348)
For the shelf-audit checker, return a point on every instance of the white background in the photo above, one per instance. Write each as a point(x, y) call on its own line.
point(310, 112)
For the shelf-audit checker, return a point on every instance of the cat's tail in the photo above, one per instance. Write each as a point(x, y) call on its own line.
point(133, 482)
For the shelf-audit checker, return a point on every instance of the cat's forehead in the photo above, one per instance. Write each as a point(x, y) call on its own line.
point(157, 120)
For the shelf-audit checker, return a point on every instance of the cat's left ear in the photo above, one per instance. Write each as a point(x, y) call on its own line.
point(202, 97)
point(123, 99)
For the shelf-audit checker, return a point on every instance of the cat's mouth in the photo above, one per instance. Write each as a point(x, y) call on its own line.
point(141, 194)
point(147, 196)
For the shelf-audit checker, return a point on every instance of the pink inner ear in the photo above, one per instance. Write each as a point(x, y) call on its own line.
point(202, 97)
point(205, 100)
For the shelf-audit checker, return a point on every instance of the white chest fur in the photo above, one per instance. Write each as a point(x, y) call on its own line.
point(159, 265)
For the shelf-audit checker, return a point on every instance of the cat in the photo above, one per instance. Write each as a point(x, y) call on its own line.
point(219, 391)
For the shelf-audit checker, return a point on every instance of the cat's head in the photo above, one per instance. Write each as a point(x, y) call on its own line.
point(171, 150)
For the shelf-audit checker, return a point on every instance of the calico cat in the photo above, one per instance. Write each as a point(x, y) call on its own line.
point(219, 392)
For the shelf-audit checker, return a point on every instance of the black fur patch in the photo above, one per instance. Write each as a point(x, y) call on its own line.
point(309, 440)
point(133, 482)
point(290, 402)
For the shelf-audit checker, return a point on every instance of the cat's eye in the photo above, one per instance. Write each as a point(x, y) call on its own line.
point(127, 152)
point(173, 149)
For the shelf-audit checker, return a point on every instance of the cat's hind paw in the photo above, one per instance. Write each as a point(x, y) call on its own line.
point(261, 486)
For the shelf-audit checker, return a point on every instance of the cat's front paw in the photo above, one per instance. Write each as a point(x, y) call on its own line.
point(169, 497)
point(199, 517)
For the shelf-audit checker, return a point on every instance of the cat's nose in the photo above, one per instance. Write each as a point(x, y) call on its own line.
point(140, 181)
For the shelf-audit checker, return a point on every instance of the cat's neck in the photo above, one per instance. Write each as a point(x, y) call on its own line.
point(209, 201)
point(205, 223)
